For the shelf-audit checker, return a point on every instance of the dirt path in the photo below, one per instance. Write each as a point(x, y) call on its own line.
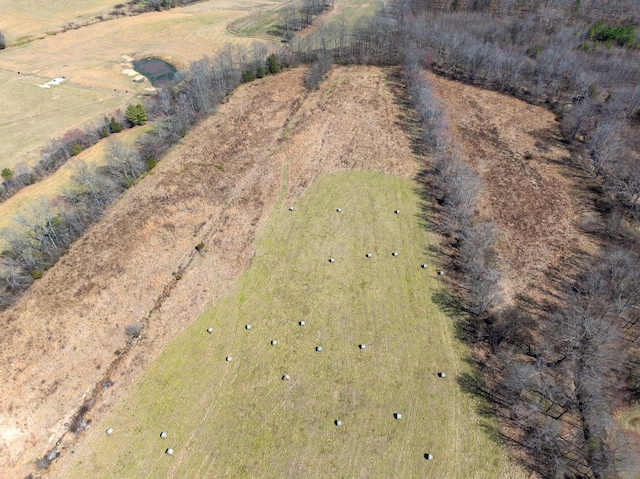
point(529, 192)
point(139, 265)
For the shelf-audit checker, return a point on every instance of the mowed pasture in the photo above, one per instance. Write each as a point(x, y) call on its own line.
point(92, 59)
point(240, 419)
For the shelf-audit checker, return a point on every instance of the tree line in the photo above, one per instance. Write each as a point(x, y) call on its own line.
point(57, 152)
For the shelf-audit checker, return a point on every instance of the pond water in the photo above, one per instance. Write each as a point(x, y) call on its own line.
point(159, 72)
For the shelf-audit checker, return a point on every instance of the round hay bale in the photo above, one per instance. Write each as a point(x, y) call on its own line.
point(286, 377)
point(339, 210)
point(109, 431)
point(428, 457)
point(442, 375)
point(395, 253)
point(209, 330)
point(440, 273)
point(169, 451)
point(397, 212)
point(362, 346)
point(290, 208)
point(331, 260)
point(423, 266)
point(228, 359)
point(319, 349)
point(397, 415)
point(248, 326)
point(163, 434)
point(368, 255)
point(338, 422)
point(301, 323)
point(274, 342)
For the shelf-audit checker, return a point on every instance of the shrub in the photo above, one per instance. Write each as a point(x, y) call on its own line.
point(114, 126)
point(248, 76)
point(272, 64)
point(260, 72)
point(151, 162)
point(623, 35)
point(104, 132)
point(136, 114)
point(3, 42)
point(7, 174)
point(134, 330)
point(76, 149)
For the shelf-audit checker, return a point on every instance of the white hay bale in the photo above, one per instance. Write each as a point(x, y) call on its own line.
point(440, 273)
point(428, 457)
point(331, 260)
point(163, 434)
point(442, 375)
point(248, 326)
point(169, 451)
point(290, 208)
point(274, 342)
point(339, 210)
point(397, 415)
point(209, 330)
point(397, 212)
point(423, 266)
point(395, 253)
point(110, 431)
point(301, 323)
point(228, 359)
point(286, 377)
point(362, 346)
point(368, 255)
point(338, 422)
point(319, 349)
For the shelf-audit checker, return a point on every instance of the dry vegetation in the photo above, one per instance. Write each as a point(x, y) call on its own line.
point(212, 190)
point(529, 189)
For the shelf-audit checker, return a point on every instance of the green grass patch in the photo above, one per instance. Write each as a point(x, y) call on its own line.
point(240, 419)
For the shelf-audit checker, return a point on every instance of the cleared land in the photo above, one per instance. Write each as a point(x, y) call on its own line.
point(530, 189)
point(240, 419)
point(270, 140)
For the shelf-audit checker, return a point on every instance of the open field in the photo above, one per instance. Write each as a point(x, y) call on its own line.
point(241, 420)
point(28, 18)
point(92, 59)
point(217, 186)
point(529, 186)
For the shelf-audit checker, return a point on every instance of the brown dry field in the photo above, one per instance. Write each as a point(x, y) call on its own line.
point(536, 201)
point(269, 142)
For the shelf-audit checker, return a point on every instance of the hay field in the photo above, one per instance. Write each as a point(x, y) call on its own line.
point(92, 59)
point(239, 419)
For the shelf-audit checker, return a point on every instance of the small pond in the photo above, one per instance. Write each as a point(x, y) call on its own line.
point(159, 72)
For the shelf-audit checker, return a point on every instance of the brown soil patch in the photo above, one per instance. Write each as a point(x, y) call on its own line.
point(140, 265)
point(529, 189)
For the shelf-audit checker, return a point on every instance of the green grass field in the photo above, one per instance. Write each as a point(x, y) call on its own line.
point(240, 419)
